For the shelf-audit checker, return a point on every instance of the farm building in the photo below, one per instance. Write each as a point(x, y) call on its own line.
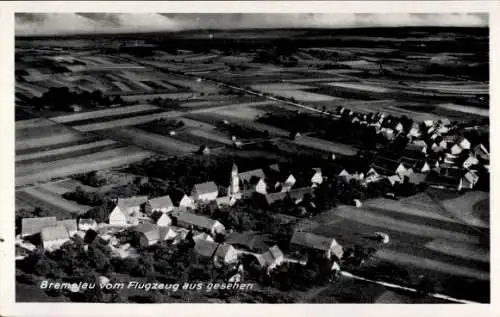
point(163, 204)
point(372, 176)
point(272, 258)
point(205, 191)
point(191, 221)
point(317, 177)
point(220, 252)
point(148, 234)
point(386, 166)
point(250, 241)
point(166, 234)
point(87, 224)
point(54, 237)
point(347, 176)
point(32, 226)
point(161, 219)
point(70, 225)
point(470, 161)
point(288, 183)
point(225, 201)
point(203, 236)
point(186, 202)
point(296, 195)
point(306, 241)
point(126, 210)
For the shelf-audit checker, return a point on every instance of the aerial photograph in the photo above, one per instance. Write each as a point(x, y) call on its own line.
point(252, 158)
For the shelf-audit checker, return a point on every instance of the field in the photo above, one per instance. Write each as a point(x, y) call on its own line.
point(439, 246)
point(472, 208)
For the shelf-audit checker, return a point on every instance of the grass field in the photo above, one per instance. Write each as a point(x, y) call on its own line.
point(103, 113)
point(86, 163)
point(212, 135)
point(65, 152)
point(27, 144)
point(126, 122)
point(465, 208)
point(150, 141)
point(324, 145)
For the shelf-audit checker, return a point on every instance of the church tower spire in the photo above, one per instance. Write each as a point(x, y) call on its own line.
point(234, 188)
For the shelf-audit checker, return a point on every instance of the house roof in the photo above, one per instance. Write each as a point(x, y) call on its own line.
point(196, 220)
point(54, 233)
point(149, 230)
point(311, 240)
point(31, 226)
point(253, 241)
point(294, 194)
point(417, 178)
point(85, 221)
point(248, 175)
point(69, 224)
point(274, 167)
point(161, 202)
point(270, 256)
point(124, 203)
point(165, 231)
point(209, 248)
point(205, 188)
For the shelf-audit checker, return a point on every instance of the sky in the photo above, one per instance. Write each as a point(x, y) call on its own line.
point(33, 24)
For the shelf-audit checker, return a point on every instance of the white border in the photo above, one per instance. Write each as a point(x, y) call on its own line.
point(7, 305)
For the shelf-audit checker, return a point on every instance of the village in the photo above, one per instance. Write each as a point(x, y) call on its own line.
point(435, 155)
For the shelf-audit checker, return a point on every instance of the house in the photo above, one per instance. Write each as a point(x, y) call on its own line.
point(288, 183)
point(70, 225)
point(394, 179)
point(32, 226)
point(254, 180)
point(163, 204)
point(414, 132)
point(415, 150)
point(161, 219)
point(296, 195)
point(186, 202)
point(372, 176)
point(470, 161)
point(398, 127)
point(207, 191)
point(429, 123)
point(127, 210)
point(272, 258)
point(347, 176)
point(481, 152)
point(306, 241)
point(250, 241)
point(191, 221)
point(87, 224)
point(148, 234)
point(464, 143)
point(436, 148)
point(220, 252)
point(317, 177)
point(203, 236)
point(53, 237)
point(204, 150)
point(417, 178)
point(422, 167)
point(225, 201)
point(387, 133)
point(469, 180)
point(166, 234)
point(452, 181)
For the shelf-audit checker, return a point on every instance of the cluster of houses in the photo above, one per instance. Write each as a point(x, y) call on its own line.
point(435, 154)
point(157, 219)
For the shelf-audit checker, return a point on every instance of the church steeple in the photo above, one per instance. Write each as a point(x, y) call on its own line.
point(234, 188)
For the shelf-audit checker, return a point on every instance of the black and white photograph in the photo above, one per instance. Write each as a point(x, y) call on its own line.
point(269, 158)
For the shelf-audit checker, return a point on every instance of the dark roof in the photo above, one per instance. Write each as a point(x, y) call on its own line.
point(311, 240)
point(295, 194)
point(385, 166)
point(195, 220)
point(135, 201)
point(253, 241)
point(248, 175)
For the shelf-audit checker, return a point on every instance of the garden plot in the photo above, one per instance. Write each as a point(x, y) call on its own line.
point(50, 198)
